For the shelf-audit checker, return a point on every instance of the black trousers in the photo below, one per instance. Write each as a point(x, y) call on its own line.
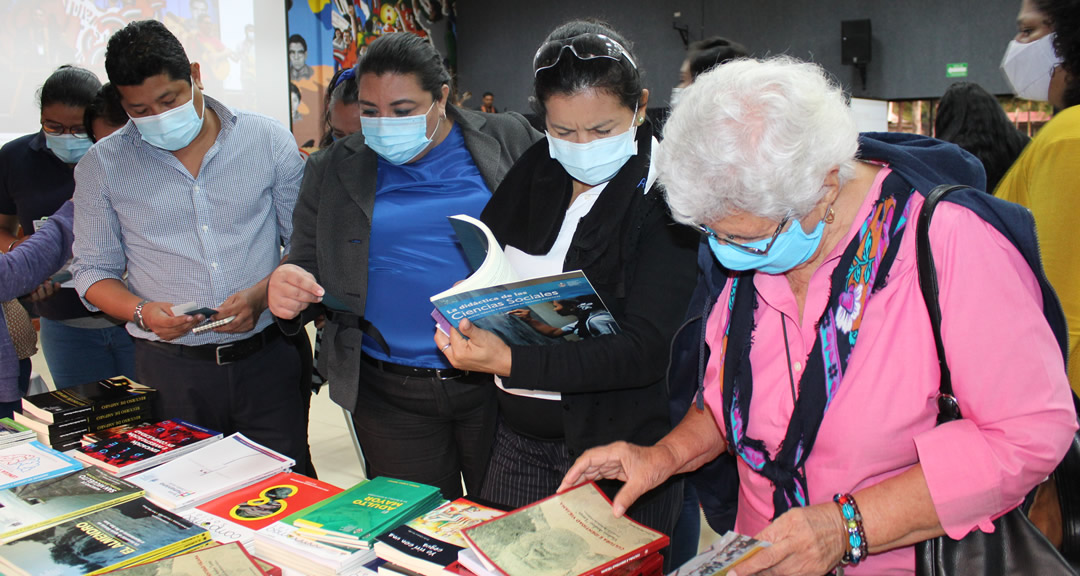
point(258, 396)
point(425, 429)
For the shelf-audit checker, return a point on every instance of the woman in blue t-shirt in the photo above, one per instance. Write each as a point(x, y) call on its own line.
point(371, 244)
point(36, 178)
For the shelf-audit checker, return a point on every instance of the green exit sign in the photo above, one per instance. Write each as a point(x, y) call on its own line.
point(956, 70)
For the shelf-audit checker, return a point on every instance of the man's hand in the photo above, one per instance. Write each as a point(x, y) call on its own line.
point(159, 318)
point(291, 290)
point(246, 305)
point(47, 290)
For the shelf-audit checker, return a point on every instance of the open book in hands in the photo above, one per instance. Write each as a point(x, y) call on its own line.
point(536, 311)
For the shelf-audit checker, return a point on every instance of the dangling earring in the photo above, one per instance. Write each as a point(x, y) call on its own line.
point(830, 216)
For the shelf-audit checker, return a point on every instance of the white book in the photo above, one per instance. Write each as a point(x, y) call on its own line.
point(220, 529)
point(280, 543)
point(32, 461)
point(209, 472)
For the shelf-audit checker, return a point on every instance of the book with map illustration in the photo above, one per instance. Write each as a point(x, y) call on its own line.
point(32, 461)
point(573, 533)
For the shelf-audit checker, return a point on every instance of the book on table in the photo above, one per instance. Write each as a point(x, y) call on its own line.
point(220, 560)
point(652, 564)
point(129, 533)
point(145, 447)
point(33, 461)
point(573, 533)
point(357, 515)
point(723, 555)
point(210, 471)
point(236, 516)
point(84, 400)
point(430, 543)
point(66, 434)
point(281, 544)
point(40, 504)
point(98, 436)
point(12, 433)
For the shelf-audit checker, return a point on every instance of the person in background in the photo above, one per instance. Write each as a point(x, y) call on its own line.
point(1043, 62)
point(22, 269)
point(702, 56)
point(974, 120)
point(36, 178)
point(194, 201)
point(105, 114)
point(585, 198)
point(487, 103)
point(372, 243)
point(342, 109)
point(819, 374)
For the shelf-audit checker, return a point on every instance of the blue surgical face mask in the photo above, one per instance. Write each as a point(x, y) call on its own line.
point(597, 161)
point(398, 140)
point(67, 147)
point(791, 248)
point(173, 129)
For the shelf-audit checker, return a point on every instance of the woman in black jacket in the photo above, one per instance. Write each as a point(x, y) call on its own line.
point(585, 199)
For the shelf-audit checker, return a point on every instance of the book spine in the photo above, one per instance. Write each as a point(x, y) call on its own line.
point(77, 429)
point(123, 406)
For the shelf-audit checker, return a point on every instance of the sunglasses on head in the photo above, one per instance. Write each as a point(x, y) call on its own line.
point(584, 47)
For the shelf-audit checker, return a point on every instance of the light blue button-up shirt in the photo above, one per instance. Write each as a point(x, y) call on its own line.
point(184, 239)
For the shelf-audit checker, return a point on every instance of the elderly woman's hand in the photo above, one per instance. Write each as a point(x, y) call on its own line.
point(806, 541)
point(641, 468)
point(482, 351)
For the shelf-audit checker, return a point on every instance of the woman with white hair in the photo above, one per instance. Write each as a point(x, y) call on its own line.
point(823, 376)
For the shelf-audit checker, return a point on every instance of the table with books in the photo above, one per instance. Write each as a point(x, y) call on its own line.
point(146, 496)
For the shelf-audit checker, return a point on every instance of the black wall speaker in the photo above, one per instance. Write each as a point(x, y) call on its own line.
point(855, 41)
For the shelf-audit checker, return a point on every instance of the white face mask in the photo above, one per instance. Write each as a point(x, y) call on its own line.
point(676, 93)
point(1029, 67)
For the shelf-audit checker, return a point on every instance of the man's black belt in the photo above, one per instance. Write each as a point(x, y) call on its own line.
point(403, 370)
point(222, 354)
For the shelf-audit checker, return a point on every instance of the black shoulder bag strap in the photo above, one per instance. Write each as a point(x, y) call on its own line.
point(1016, 546)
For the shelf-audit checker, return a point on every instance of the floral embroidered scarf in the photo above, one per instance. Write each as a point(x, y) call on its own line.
point(861, 272)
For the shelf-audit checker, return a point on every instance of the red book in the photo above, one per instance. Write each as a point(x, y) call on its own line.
point(266, 502)
point(146, 446)
point(573, 533)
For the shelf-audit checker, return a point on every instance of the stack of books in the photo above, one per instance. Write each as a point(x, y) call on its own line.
point(236, 516)
point(130, 533)
point(217, 560)
point(12, 433)
point(335, 536)
point(430, 544)
point(61, 417)
point(146, 446)
point(209, 472)
point(32, 461)
point(572, 533)
point(44, 503)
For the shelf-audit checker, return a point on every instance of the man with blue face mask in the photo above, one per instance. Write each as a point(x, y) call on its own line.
point(194, 200)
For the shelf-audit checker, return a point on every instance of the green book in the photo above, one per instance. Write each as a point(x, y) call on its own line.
point(53, 500)
point(366, 510)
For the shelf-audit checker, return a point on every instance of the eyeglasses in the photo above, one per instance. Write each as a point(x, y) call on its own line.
point(57, 129)
point(743, 247)
point(584, 47)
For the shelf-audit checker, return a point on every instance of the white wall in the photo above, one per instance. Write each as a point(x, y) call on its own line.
point(39, 35)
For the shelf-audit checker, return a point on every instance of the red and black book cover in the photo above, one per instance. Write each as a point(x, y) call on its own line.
point(146, 442)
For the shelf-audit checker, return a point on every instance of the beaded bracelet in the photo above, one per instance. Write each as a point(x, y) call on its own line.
point(854, 526)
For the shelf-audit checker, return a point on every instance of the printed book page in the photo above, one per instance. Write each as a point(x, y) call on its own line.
point(722, 556)
point(565, 535)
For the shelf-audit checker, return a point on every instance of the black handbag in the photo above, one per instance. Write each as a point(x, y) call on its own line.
point(1016, 546)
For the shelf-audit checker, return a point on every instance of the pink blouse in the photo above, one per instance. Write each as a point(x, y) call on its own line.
point(1008, 376)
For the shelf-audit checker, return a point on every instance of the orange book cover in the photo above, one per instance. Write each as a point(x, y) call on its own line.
point(271, 500)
